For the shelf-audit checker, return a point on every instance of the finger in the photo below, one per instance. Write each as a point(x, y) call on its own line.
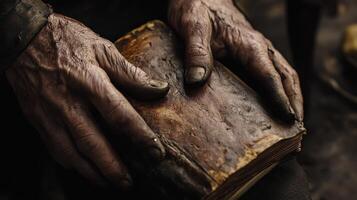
point(129, 78)
point(63, 149)
point(91, 142)
point(197, 33)
point(291, 83)
point(121, 116)
point(270, 85)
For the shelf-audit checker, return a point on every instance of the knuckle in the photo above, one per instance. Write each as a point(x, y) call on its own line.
point(271, 76)
point(274, 76)
point(267, 41)
point(258, 36)
point(78, 126)
point(293, 73)
point(100, 75)
point(111, 167)
point(96, 83)
point(254, 46)
point(87, 143)
point(112, 54)
point(197, 50)
point(186, 20)
point(132, 72)
point(194, 26)
point(256, 40)
point(289, 72)
point(114, 115)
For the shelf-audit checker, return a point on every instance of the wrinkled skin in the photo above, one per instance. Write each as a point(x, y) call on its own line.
point(216, 28)
point(67, 72)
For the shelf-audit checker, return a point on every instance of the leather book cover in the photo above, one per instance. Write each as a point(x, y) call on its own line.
point(219, 139)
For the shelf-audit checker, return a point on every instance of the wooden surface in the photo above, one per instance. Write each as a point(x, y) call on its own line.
point(209, 133)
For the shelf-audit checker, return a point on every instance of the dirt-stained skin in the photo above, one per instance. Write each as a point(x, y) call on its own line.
point(216, 28)
point(66, 70)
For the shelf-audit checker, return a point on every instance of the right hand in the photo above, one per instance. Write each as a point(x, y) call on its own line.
point(65, 71)
point(213, 29)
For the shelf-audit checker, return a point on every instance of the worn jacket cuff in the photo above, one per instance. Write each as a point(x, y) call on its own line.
point(19, 23)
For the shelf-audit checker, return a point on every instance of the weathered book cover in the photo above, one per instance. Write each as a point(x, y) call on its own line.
point(219, 139)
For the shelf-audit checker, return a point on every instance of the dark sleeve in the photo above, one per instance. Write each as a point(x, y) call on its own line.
point(20, 21)
point(287, 181)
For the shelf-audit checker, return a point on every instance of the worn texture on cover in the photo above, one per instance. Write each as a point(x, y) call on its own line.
point(210, 133)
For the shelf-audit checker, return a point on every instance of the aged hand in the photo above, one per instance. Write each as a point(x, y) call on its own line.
point(216, 28)
point(65, 74)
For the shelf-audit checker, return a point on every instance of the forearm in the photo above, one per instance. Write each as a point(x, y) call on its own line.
point(20, 21)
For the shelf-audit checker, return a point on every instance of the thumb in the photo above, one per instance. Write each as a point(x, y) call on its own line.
point(198, 54)
point(129, 78)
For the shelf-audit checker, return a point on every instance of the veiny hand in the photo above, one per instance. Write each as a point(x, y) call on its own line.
point(67, 71)
point(216, 28)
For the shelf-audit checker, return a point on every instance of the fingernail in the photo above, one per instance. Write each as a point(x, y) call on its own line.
point(158, 84)
point(195, 75)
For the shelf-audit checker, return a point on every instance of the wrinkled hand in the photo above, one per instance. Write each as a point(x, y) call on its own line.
point(216, 28)
point(66, 71)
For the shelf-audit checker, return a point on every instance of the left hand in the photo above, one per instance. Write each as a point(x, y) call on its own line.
point(216, 28)
point(69, 77)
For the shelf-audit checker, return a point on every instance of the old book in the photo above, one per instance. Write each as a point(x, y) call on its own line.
point(219, 139)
